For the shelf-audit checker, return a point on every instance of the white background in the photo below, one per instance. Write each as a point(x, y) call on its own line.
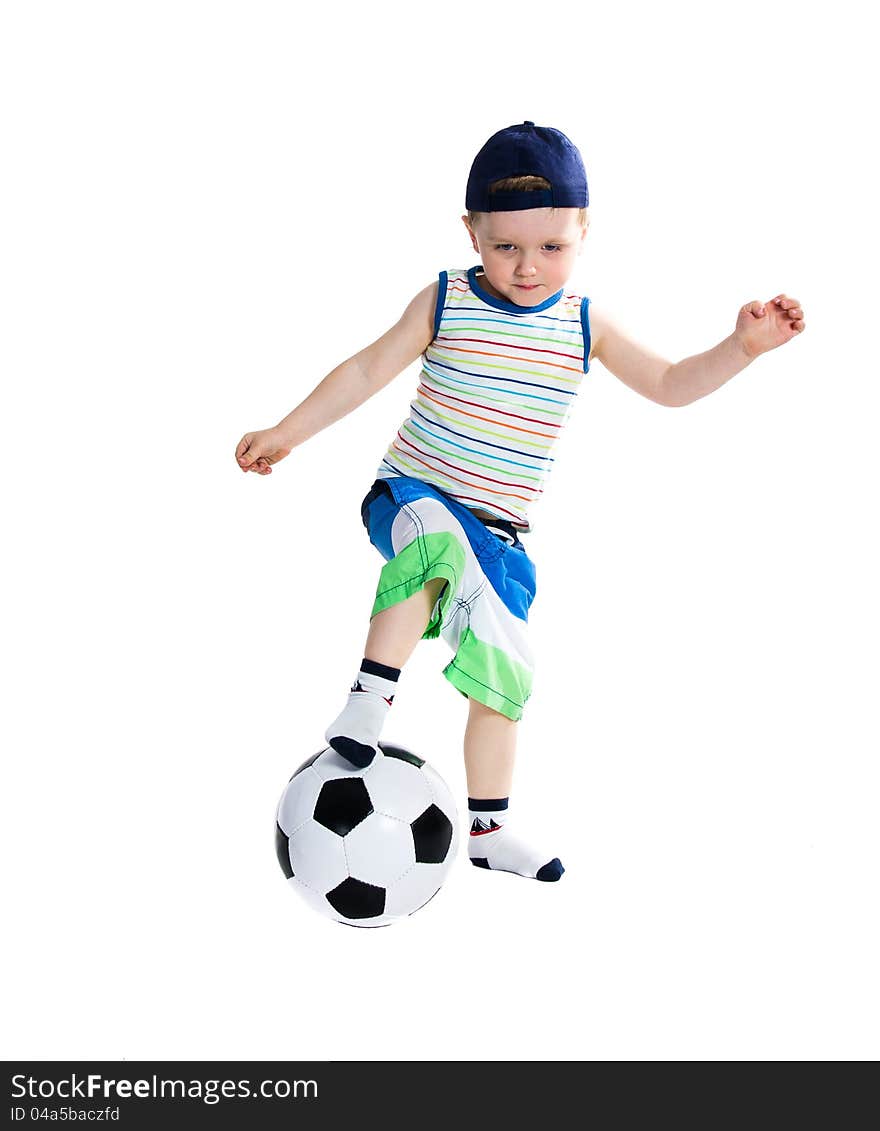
point(205, 208)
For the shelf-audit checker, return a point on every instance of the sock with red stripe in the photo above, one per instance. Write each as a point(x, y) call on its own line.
point(355, 732)
point(492, 845)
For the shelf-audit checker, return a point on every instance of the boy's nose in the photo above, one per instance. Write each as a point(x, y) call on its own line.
point(525, 268)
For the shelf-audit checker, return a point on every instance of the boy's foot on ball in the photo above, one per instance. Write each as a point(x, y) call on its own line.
point(492, 845)
point(354, 734)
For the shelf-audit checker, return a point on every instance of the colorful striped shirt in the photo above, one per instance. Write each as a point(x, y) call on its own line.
point(496, 387)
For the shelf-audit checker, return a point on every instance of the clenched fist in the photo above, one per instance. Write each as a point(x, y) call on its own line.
point(764, 326)
point(257, 451)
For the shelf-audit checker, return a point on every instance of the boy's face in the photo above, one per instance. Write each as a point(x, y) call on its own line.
point(527, 256)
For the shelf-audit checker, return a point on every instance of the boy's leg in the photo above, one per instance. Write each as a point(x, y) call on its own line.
point(395, 632)
point(489, 754)
point(489, 751)
point(393, 635)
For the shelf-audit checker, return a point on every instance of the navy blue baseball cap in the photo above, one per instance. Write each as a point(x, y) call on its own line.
point(527, 150)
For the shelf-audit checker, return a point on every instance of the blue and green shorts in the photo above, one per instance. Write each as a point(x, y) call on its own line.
point(483, 610)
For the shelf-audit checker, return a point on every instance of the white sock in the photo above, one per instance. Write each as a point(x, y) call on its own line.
point(492, 845)
point(355, 732)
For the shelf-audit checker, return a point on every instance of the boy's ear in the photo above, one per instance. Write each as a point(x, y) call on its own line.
point(466, 223)
point(584, 231)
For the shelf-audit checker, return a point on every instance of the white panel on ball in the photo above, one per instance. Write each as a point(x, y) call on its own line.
point(318, 857)
point(414, 889)
point(315, 899)
point(380, 850)
point(398, 788)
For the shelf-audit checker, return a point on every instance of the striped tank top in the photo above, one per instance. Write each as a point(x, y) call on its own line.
point(496, 387)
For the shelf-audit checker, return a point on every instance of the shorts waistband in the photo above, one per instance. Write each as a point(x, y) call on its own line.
point(501, 524)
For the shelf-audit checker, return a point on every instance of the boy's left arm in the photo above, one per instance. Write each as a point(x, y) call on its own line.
point(759, 327)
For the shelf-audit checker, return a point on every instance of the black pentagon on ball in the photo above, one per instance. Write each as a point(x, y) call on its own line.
point(356, 900)
point(432, 833)
point(342, 804)
point(282, 850)
point(308, 762)
point(403, 754)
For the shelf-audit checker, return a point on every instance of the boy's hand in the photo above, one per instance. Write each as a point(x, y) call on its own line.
point(257, 451)
point(761, 327)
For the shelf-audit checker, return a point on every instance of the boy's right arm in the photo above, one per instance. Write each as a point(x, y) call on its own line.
point(346, 388)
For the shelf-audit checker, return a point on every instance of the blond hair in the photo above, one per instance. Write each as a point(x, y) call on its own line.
point(524, 184)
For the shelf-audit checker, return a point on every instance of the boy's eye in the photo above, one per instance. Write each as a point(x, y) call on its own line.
point(509, 246)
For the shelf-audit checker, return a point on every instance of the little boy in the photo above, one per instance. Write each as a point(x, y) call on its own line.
point(504, 348)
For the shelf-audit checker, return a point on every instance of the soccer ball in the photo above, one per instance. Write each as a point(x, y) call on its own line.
point(366, 846)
